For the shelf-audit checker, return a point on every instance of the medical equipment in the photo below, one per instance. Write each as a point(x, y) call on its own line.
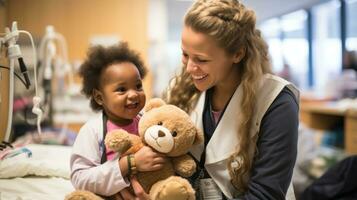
point(48, 55)
point(54, 64)
point(14, 52)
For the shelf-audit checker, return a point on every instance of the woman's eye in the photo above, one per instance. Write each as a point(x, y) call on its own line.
point(201, 60)
point(184, 58)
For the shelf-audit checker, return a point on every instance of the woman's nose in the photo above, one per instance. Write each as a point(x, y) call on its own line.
point(191, 66)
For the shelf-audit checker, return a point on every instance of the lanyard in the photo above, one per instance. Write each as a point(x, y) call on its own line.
point(104, 154)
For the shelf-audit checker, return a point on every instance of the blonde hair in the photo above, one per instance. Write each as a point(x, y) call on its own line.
point(233, 27)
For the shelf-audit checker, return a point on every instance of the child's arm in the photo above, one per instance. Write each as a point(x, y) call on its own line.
point(123, 165)
point(87, 172)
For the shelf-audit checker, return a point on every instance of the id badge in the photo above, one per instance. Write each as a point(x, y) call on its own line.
point(209, 189)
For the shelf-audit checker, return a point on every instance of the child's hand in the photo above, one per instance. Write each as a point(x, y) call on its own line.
point(140, 194)
point(138, 190)
point(147, 159)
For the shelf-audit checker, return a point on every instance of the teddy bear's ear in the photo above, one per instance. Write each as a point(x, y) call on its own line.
point(154, 103)
point(199, 137)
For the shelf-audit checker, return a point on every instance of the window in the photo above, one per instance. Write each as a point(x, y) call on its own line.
point(288, 46)
point(295, 47)
point(272, 33)
point(351, 40)
point(327, 50)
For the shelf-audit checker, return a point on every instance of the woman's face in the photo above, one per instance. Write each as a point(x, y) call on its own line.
point(208, 64)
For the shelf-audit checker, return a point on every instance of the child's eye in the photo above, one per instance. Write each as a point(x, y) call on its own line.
point(121, 89)
point(139, 86)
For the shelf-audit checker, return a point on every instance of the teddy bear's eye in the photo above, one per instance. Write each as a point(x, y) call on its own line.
point(160, 123)
point(174, 134)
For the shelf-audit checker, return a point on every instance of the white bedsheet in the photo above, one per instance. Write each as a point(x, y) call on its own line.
point(35, 188)
point(46, 160)
point(44, 176)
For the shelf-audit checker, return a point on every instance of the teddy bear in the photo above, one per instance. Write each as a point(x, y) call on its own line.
point(168, 130)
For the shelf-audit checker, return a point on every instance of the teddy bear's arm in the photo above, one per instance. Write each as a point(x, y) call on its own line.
point(118, 141)
point(184, 165)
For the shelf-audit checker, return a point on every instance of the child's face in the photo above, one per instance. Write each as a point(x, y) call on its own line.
point(121, 92)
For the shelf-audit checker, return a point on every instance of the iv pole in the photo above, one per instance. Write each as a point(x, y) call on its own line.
point(11, 38)
point(14, 52)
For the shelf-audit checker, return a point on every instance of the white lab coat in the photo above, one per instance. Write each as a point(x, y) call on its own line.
point(224, 139)
point(87, 172)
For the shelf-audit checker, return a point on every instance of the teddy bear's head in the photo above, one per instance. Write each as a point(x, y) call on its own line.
point(168, 129)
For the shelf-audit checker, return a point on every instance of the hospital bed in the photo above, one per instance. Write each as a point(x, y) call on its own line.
point(40, 172)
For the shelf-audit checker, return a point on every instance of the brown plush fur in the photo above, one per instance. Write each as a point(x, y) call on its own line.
point(82, 195)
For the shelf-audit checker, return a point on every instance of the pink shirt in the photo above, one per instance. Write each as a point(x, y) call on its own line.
point(130, 128)
point(216, 115)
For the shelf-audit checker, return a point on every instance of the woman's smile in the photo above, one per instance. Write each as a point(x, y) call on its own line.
point(201, 77)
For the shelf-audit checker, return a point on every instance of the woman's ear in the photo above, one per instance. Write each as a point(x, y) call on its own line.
point(239, 55)
point(97, 96)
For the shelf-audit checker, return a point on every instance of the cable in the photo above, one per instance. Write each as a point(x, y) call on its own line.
point(34, 58)
point(36, 99)
point(16, 74)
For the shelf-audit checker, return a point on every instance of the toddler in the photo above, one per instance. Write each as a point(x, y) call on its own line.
point(112, 80)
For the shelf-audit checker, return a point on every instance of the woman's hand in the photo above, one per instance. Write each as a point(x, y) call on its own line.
point(147, 159)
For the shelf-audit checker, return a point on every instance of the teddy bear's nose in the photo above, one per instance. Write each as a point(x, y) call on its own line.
point(161, 134)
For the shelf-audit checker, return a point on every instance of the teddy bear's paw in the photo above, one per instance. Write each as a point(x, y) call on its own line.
point(82, 195)
point(118, 141)
point(174, 188)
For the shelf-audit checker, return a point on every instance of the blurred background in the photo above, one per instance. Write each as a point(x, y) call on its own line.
point(312, 43)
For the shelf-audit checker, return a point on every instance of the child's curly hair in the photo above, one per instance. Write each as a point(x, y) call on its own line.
point(98, 59)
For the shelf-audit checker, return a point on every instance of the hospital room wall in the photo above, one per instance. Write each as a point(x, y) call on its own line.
point(4, 79)
point(2, 18)
point(81, 20)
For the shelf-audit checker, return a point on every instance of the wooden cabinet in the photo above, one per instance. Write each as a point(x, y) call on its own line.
point(351, 131)
point(324, 116)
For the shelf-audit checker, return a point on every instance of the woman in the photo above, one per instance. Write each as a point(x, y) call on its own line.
point(249, 117)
